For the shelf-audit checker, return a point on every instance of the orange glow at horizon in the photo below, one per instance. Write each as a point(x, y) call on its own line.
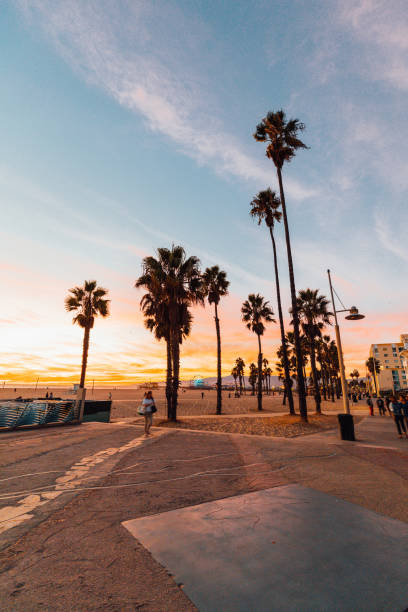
point(123, 352)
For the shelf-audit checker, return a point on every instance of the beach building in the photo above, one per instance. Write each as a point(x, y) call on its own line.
point(393, 360)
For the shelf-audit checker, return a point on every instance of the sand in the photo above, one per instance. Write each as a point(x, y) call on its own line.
point(126, 400)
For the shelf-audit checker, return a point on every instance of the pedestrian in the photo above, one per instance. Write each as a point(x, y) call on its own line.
point(396, 409)
point(110, 396)
point(404, 406)
point(380, 406)
point(147, 409)
point(46, 395)
point(370, 405)
point(202, 394)
point(354, 398)
point(387, 403)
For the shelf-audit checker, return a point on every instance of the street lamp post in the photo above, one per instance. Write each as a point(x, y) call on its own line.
point(353, 316)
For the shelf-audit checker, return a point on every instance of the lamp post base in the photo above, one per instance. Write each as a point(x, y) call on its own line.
point(346, 424)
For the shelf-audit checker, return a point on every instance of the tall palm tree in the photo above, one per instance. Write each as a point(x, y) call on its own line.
point(373, 366)
point(255, 313)
point(265, 206)
point(313, 314)
point(88, 302)
point(215, 287)
point(177, 283)
point(157, 321)
point(282, 141)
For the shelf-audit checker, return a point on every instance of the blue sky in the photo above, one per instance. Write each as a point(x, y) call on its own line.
point(128, 125)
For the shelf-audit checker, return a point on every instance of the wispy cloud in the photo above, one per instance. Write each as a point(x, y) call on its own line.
point(382, 25)
point(130, 52)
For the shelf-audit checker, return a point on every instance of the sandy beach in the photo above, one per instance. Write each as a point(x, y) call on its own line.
point(126, 400)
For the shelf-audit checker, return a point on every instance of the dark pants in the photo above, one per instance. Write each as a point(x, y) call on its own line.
point(399, 421)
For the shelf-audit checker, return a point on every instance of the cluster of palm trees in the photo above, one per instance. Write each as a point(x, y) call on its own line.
point(238, 373)
point(173, 283)
point(327, 358)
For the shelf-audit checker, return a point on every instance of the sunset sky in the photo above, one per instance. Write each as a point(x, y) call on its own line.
point(127, 125)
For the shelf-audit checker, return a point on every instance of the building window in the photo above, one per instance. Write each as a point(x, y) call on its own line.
point(387, 361)
point(385, 354)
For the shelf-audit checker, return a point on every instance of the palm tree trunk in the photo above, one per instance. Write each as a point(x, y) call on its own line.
point(219, 381)
point(295, 316)
point(314, 373)
point(282, 330)
point(259, 374)
point(85, 348)
point(169, 375)
point(375, 383)
point(176, 373)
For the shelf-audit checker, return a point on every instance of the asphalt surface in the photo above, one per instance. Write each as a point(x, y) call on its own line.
point(75, 487)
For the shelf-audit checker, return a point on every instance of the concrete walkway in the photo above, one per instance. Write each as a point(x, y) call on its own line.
point(287, 548)
point(73, 552)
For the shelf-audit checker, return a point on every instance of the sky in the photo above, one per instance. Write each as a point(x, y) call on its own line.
point(127, 125)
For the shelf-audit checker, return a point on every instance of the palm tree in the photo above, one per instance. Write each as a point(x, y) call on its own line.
point(157, 321)
point(253, 376)
point(373, 366)
point(265, 363)
point(282, 141)
point(255, 313)
point(240, 365)
point(88, 301)
point(265, 206)
point(313, 314)
point(215, 287)
point(176, 282)
point(234, 374)
point(355, 374)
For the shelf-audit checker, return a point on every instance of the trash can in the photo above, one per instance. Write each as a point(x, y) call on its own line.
point(346, 424)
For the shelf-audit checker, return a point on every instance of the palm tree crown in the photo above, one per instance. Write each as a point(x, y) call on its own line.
point(256, 312)
point(215, 283)
point(88, 301)
point(265, 206)
point(281, 136)
point(312, 309)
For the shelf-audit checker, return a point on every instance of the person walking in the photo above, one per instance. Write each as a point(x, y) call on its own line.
point(370, 405)
point(387, 403)
point(404, 407)
point(149, 408)
point(396, 409)
point(380, 406)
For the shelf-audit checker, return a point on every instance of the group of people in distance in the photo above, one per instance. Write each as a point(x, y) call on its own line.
point(398, 408)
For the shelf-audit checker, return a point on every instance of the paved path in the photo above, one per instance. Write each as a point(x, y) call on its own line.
point(74, 553)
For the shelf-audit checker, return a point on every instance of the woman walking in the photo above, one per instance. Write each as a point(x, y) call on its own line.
point(148, 407)
point(396, 410)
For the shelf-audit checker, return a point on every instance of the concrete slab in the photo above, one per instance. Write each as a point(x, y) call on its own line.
point(289, 548)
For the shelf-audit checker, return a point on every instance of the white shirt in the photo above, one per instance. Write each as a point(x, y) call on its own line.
point(147, 403)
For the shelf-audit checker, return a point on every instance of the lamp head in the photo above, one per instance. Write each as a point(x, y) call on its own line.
point(354, 314)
